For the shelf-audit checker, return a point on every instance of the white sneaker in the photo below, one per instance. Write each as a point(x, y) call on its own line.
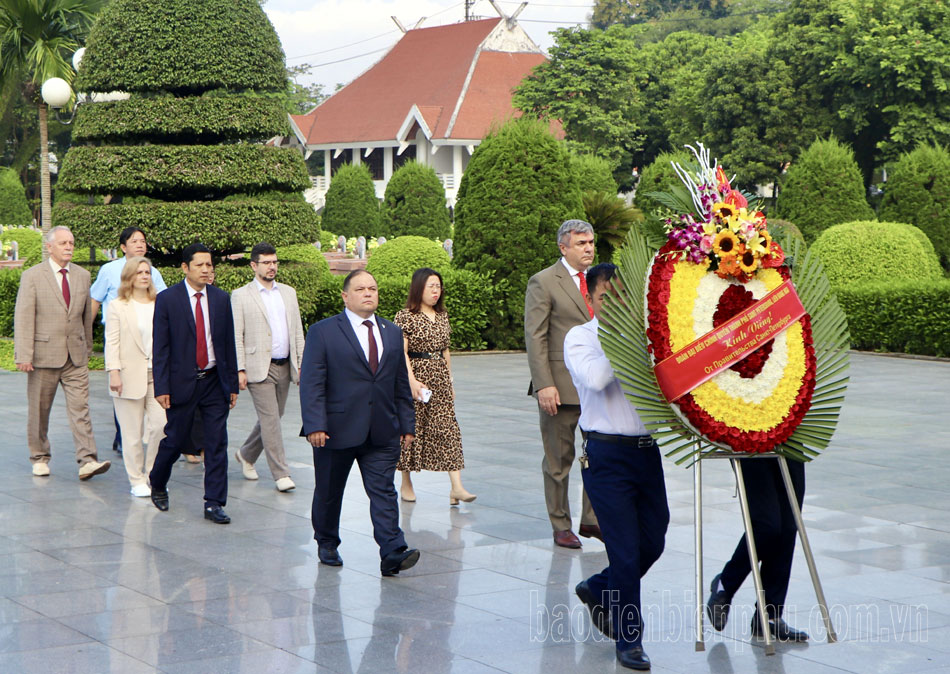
point(41, 469)
point(141, 491)
point(91, 468)
point(250, 473)
point(285, 484)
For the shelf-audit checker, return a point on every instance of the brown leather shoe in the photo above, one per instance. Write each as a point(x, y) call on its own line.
point(566, 539)
point(590, 531)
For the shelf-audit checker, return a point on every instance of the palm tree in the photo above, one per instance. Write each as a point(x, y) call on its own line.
point(37, 39)
point(611, 219)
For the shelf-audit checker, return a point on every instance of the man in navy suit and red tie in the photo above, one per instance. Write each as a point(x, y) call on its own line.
point(194, 366)
point(356, 404)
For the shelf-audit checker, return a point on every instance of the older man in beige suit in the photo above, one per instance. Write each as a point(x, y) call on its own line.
point(52, 344)
point(554, 303)
point(269, 337)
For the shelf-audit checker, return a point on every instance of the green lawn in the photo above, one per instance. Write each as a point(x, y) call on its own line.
point(7, 362)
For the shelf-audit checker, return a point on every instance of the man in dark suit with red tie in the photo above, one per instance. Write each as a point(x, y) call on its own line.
point(356, 405)
point(194, 366)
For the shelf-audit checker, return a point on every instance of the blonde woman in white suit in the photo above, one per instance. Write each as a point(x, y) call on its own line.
point(129, 364)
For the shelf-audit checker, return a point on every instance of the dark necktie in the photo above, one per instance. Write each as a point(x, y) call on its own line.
point(583, 277)
point(201, 350)
point(65, 287)
point(373, 352)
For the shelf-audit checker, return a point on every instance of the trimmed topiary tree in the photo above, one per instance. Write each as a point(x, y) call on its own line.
point(860, 252)
point(352, 208)
point(593, 173)
point(659, 176)
point(823, 187)
point(918, 193)
point(517, 190)
point(415, 204)
point(183, 157)
point(14, 208)
point(778, 229)
point(401, 256)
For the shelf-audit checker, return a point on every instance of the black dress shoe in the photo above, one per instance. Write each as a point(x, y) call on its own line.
point(718, 605)
point(329, 556)
point(634, 658)
point(216, 514)
point(598, 614)
point(160, 499)
point(779, 630)
point(400, 560)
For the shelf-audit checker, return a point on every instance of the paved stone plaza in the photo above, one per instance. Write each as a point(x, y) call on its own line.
point(93, 580)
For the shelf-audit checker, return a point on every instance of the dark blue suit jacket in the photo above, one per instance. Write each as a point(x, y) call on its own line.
point(341, 396)
point(174, 344)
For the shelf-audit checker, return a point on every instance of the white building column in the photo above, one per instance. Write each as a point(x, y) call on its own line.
point(457, 163)
point(387, 164)
point(422, 148)
point(327, 158)
point(356, 156)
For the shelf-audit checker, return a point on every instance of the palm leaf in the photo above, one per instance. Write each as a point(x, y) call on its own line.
point(623, 337)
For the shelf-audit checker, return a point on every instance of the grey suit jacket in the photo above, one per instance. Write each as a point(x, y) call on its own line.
point(46, 334)
point(252, 331)
point(552, 306)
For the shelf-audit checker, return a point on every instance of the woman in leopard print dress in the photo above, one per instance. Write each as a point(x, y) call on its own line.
point(438, 442)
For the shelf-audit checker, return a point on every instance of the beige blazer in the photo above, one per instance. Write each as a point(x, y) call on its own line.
point(252, 333)
point(125, 351)
point(552, 306)
point(46, 334)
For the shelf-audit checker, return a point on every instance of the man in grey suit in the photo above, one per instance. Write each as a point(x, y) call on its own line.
point(52, 344)
point(269, 337)
point(554, 303)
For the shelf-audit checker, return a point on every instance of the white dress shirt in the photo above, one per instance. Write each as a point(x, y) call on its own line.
point(277, 319)
point(573, 272)
point(604, 409)
point(362, 334)
point(207, 318)
point(59, 277)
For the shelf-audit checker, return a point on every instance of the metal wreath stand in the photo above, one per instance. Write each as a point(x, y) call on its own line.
point(736, 459)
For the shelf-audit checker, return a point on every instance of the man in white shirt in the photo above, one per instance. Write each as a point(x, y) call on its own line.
point(623, 475)
point(269, 338)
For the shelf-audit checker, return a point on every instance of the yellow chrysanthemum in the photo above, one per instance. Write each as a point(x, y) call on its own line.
point(725, 243)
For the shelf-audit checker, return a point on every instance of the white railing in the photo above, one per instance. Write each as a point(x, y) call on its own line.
point(447, 180)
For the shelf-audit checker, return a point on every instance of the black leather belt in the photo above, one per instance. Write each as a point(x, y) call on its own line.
point(425, 354)
point(280, 361)
point(638, 441)
point(201, 374)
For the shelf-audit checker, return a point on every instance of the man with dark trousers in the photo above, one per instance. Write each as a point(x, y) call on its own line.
point(356, 405)
point(623, 476)
point(773, 527)
point(194, 366)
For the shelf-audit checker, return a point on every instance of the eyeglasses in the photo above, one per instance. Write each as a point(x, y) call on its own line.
point(268, 262)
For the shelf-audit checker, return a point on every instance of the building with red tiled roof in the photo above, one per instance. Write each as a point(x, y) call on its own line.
point(433, 97)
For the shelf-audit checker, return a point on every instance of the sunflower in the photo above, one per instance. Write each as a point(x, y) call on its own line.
point(725, 243)
point(747, 261)
point(724, 210)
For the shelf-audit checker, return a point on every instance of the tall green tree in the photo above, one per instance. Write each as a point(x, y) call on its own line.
point(592, 85)
point(37, 41)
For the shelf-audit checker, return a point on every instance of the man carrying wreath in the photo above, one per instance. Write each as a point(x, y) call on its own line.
point(623, 476)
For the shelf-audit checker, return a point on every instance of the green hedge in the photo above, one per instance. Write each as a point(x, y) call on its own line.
point(182, 46)
point(205, 119)
point(403, 255)
point(182, 170)
point(593, 173)
point(903, 317)
point(861, 252)
point(29, 241)
point(225, 226)
point(823, 187)
point(918, 192)
point(303, 252)
point(415, 204)
point(14, 208)
point(9, 285)
point(352, 208)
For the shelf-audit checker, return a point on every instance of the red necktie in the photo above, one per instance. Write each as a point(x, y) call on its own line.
point(65, 287)
point(201, 352)
point(583, 278)
point(373, 353)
